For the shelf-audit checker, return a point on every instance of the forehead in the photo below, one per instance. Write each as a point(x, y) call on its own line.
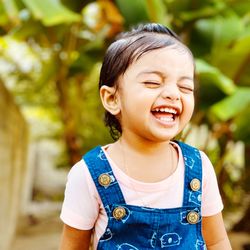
point(175, 59)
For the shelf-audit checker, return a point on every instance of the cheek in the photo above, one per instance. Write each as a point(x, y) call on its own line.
point(188, 104)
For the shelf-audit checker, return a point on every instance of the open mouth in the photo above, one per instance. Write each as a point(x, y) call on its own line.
point(166, 114)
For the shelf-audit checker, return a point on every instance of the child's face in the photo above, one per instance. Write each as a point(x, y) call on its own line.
point(156, 94)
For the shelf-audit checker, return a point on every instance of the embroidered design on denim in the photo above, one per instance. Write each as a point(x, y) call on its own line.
point(197, 153)
point(200, 245)
point(126, 246)
point(153, 240)
point(107, 235)
point(189, 161)
point(183, 216)
point(195, 197)
point(101, 155)
point(108, 209)
point(170, 240)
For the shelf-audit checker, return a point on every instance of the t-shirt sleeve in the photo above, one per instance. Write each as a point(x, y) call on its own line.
point(211, 199)
point(80, 206)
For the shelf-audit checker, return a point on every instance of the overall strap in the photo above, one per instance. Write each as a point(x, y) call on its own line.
point(193, 175)
point(103, 177)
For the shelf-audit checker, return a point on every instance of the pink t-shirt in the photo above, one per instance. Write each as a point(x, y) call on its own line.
point(82, 207)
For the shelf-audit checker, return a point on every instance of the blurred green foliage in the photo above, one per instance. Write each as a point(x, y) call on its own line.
point(51, 51)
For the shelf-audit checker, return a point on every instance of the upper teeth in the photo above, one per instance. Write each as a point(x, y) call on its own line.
point(167, 110)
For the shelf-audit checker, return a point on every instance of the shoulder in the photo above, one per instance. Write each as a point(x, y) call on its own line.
point(80, 180)
point(211, 198)
point(207, 166)
point(187, 150)
point(80, 206)
point(78, 171)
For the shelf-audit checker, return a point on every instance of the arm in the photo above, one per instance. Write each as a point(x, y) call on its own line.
point(75, 239)
point(214, 233)
point(80, 209)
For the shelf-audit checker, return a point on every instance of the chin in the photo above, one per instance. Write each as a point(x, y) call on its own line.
point(163, 137)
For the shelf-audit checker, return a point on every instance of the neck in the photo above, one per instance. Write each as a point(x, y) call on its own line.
point(136, 159)
point(143, 146)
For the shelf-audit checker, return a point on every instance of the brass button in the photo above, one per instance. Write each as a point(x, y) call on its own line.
point(104, 180)
point(193, 217)
point(195, 184)
point(119, 213)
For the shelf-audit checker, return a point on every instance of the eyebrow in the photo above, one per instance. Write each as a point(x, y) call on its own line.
point(187, 78)
point(159, 73)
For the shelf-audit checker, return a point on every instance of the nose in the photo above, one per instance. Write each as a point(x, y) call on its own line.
point(171, 92)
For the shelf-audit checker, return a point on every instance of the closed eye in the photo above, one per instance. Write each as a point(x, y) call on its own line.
point(186, 89)
point(152, 84)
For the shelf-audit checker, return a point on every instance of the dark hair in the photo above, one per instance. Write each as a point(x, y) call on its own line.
point(128, 47)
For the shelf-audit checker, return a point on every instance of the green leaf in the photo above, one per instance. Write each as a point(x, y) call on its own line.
point(241, 7)
point(222, 29)
point(157, 11)
point(27, 29)
point(133, 11)
point(242, 128)
point(51, 12)
point(215, 76)
point(11, 9)
point(237, 53)
point(206, 11)
point(231, 106)
point(3, 15)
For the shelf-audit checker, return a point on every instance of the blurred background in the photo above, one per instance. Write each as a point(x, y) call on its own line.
point(50, 112)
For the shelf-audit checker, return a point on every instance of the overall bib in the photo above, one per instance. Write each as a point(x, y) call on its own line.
point(139, 228)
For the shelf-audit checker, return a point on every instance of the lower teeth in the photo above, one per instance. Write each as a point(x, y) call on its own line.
point(166, 119)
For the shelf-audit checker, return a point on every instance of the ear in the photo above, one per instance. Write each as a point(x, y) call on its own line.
point(109, 97)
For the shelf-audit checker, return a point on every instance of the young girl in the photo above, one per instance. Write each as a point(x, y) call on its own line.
point(145, 191)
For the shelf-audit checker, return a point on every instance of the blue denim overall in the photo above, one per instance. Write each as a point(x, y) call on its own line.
point(134, 227)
